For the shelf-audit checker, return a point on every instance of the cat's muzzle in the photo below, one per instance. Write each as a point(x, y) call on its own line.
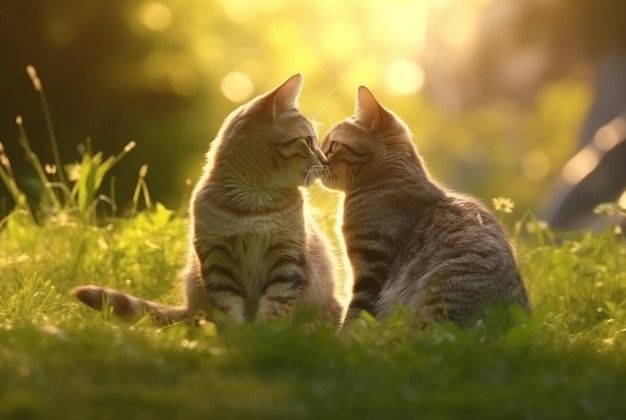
point(314, 172)
point(326, 175)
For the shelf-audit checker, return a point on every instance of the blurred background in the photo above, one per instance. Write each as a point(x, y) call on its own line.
point(501, 95)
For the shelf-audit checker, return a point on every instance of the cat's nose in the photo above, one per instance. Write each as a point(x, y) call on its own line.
point(321, 157)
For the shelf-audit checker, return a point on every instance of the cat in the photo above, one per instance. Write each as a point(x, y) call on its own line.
point(411, 242)
point(254, 251)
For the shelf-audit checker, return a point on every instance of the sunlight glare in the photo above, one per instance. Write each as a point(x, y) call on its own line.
point(340, 40)
point(237, 87)
point(155, 16)
point(271, 6)
point(240, 11)
point(362, 71)
point(283, 34)
point(403, 77)
point(407, 25)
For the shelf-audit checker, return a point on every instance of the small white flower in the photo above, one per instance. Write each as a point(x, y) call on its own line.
point(608, 209)
point(503, 204)
point(73, 171)
point(50, 169)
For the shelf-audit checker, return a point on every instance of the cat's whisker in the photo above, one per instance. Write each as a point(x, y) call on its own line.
point(312, 174)
point(324, 174)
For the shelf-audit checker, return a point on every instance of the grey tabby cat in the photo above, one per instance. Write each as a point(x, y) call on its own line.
point(254, 252)
point(410, 241)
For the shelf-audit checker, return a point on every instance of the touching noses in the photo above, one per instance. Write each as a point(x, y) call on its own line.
point(321, 157)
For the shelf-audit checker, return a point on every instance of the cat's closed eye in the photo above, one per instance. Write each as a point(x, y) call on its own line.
point(308, 140)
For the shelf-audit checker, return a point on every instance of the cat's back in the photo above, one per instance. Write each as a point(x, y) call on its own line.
point(461, 223)
point(458, 231)
point(455, 259)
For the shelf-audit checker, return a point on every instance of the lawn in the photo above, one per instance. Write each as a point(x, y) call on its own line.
point(59, 359)
point(62, 360)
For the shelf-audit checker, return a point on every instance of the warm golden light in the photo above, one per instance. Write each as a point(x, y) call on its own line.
point(240, 11)
point(340, 40)
point(384, 44)
point(155, 16)
point(237, 87)
point(403, 77)
point(407, 25)
point(578, 167)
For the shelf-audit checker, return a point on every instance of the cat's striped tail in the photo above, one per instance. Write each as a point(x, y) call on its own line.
point(128, 307)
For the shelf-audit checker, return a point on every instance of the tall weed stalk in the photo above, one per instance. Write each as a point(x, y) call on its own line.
point(70, 189)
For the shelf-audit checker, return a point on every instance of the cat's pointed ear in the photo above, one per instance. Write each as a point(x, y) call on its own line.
point(368, 111)
point(284, 97)
point(287, 94)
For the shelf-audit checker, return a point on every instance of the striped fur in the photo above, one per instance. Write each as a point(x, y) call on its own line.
point(254, 252)
point(410, 241)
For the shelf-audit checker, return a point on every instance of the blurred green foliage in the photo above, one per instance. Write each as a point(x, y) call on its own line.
point(160, 73)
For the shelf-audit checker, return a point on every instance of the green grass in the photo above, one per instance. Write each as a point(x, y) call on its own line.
point(62, 360)
point(59, 359)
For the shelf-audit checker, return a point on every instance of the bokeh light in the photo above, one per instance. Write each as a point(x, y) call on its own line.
point(241, 11)
point(152, 67)
point(237, 87)
point(403, 77)
point(155, 16)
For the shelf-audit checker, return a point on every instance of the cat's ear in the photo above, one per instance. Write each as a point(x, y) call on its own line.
point(284, 97)
point(287, 94)
point(368, 111)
